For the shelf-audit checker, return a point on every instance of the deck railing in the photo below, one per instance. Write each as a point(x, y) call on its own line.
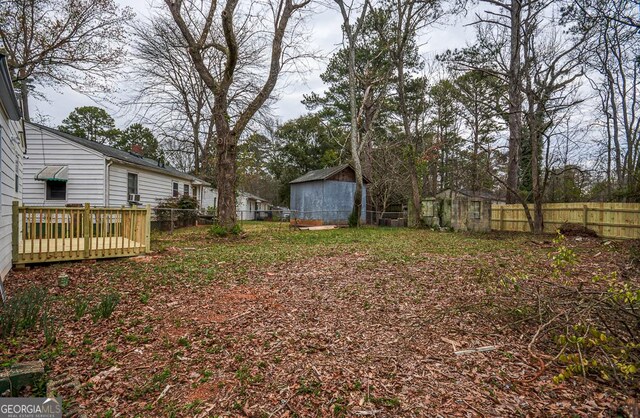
point(44, 234)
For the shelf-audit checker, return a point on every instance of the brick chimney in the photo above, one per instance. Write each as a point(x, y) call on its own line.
point(137, 149)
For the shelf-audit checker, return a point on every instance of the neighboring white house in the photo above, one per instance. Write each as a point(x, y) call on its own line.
point(12, 148)
point(209, 200)
point(249, 205)
point(63, 169)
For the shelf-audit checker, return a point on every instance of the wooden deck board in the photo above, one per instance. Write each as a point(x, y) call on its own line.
point(61, 249)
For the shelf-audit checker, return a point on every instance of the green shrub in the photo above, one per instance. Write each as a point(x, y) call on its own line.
point(49, 327)
point(80, 306)
point(185, 216)
point(107, 305)
point(220, 231)
point(353, 219)
point(22, 311)
point(563, 258)
point(606, 345)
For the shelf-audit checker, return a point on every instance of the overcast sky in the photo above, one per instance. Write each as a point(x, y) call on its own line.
point(326, 36)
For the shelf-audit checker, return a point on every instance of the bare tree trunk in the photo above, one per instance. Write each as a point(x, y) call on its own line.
point(415, 196)
point(24, 95)
point(354, 134)
point(538, 222)
point(351, 35)
point(515, 102)
point(219, 83)
point(226, 176)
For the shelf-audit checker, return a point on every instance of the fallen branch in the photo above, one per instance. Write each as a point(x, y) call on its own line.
point(475, 350)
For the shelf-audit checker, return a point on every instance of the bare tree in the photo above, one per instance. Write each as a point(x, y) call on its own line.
point(409, 18)
point(552, 63)
point(172, 96)
point(615, 76)
point(203, 31)
point(351, 32)
point(77, 43)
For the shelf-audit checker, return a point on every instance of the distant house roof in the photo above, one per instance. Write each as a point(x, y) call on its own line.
point(123, 156)
point(324, 174)
point(253, 197)
point(483, 194)
point(7, 94)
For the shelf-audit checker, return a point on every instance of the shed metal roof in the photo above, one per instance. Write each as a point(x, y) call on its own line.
point(323, 174)
point(124, 156)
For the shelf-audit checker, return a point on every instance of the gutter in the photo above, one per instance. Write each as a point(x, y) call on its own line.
point(106, 181)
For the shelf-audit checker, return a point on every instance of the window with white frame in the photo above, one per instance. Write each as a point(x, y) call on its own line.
point(185, 190)
point(132, 183)
point(176, 190)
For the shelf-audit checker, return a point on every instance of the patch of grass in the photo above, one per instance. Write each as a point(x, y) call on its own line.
point(243, 374)
point(49, 327)
point(153, 385)
point(80, 306)
point(388, 402)
point(107, 305)
point(144, 297)
point(22, 311)
point(310, 387)
point(221, 232)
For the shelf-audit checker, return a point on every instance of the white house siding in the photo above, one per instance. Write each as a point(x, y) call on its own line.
point(246, 207)
point(11, 159)
point(209, 198)
point(152, 186)
point(86, 169)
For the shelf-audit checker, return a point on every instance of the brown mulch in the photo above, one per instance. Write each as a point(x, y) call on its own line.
point(345, 334)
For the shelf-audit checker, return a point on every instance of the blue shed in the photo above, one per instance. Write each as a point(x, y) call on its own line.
point(325, 197)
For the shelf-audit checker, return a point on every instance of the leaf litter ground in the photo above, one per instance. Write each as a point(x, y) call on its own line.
point(314, 323)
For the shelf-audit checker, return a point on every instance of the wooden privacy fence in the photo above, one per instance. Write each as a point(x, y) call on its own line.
point(608, 220)
point(44, 234)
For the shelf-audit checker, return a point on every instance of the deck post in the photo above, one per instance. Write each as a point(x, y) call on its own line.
point(87, 230)
point(15, 229)
point(147, 234)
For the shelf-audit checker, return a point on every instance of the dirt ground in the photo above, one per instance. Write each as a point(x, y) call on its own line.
point(326, 323)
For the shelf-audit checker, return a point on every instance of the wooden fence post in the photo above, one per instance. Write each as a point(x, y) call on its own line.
point(584, 216)
point(147, 236)
point(171, 223)
point(87, 225)
point(15, 229)
point(501, 227)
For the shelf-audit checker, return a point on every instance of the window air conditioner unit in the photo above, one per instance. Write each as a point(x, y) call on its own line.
point(134, 198)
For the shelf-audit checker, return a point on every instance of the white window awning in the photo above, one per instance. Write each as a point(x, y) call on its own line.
point(53, 173)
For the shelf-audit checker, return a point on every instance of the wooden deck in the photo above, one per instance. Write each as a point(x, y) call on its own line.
point(43, 250)
point(44, 234)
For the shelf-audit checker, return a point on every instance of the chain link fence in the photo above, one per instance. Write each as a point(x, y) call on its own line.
point(169, 219)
